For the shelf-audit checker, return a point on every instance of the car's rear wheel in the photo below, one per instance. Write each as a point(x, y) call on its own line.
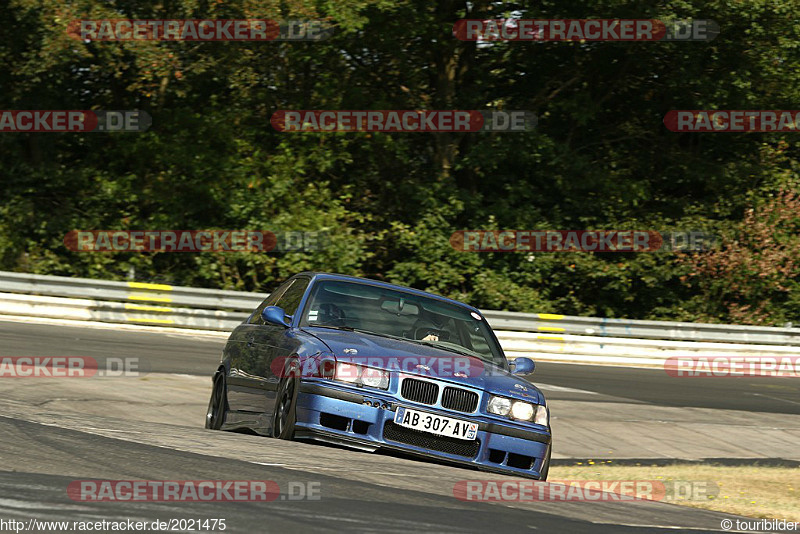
point(218, 404)
point(285, 409)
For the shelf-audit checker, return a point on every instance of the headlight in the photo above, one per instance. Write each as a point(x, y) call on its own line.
point(522, 411)
point(375, 378)
point(347, 372)
point(542, 417)
point(362, 376)
point(499, 405)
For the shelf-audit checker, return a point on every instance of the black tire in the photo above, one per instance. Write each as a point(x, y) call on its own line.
point(546, 465)
point(285, 415)
point(218, 404)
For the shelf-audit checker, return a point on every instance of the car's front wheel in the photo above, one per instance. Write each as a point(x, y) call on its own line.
point(285, 409)
point(218, 404)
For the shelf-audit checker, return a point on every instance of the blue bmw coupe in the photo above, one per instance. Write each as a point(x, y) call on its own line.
point(372, 365)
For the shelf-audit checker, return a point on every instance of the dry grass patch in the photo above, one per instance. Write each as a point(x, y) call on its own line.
point(753, 491)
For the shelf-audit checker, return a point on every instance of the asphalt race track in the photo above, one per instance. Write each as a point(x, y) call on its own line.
point(198, 356)
point(55, 430)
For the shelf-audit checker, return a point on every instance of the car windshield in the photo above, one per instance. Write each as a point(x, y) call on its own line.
point(399, 314)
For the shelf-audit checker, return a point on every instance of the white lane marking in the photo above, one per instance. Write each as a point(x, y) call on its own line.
point(775, 398)
point(550, 387)
point(205, 335)
point(112, 430)
point(301, 468)
point(16, 504)
point(391, 473)
point(80, 429)
point(199, 377)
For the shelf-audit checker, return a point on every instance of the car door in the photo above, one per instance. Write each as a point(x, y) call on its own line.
point(245, 386)
point(273, 343)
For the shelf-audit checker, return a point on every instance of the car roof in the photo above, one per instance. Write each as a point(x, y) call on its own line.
point(347, 278)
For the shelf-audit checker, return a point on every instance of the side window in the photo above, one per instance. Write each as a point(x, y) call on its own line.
point(291, 298)
point(270, 301)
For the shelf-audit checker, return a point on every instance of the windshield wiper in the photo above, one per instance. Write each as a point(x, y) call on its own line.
point(352, 329)
point(380, 334)
point(449, 348)
point(332, 327)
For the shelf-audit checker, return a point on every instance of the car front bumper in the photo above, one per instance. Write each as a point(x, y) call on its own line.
point(365, 420)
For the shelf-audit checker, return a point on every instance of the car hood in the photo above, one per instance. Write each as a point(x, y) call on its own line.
point(424, 360)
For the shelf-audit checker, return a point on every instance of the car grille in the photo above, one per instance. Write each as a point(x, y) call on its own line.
point(409, 436)
point(459, 400)
point(419, 391)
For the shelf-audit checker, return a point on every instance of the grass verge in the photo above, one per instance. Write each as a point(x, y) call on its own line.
point(752, 491)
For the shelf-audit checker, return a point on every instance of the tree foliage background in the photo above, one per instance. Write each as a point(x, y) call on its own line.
point(600, 157)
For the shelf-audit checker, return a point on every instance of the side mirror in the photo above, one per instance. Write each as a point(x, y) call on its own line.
point(522, 366)
point(275, 315)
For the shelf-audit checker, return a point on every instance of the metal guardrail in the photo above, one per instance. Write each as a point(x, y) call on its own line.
point(124, 302)
point(595, 326)
point(64, 286)
point(539, 335)
point(215, 299)
point(118, 312)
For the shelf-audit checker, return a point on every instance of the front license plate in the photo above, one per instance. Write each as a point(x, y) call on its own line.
point(436, 424)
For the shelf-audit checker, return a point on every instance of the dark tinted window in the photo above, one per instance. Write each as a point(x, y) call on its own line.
point(270, 301)
point(291, 298)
